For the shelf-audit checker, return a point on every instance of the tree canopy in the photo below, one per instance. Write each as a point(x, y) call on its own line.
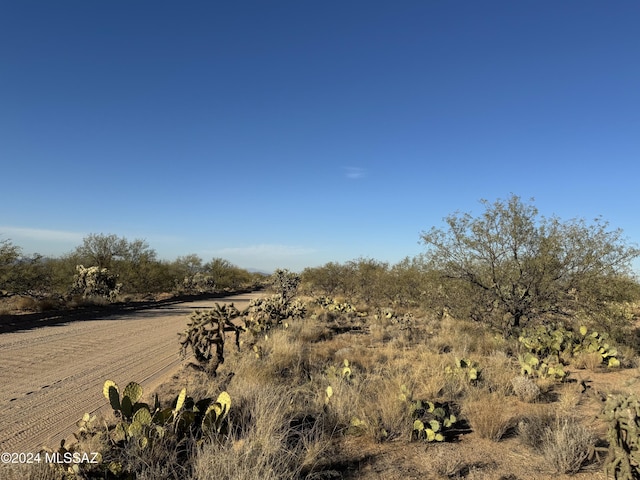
point(510, 262)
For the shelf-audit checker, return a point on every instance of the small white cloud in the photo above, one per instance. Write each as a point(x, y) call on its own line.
point(40, 234)
point(354, 173)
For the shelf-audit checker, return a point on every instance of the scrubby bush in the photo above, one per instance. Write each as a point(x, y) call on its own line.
point(513, 264)
point(525, 389)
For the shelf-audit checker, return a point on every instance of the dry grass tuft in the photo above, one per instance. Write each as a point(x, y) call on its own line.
point(275, 435)
point(532, 428)
point(589, 360)
point(563, 441)
point(488, 415)
point(566, 444)
point(497, 372)
point(447, 461)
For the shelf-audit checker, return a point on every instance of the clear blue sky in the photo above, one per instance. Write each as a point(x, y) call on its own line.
point(293, 133)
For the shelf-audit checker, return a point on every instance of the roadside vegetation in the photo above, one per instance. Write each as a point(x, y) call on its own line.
point(108, 269)
point(508, 350)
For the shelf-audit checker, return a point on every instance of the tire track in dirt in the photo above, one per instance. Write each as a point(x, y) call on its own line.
point(51, 376)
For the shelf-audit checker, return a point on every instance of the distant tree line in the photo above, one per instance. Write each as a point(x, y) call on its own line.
point(508, 267)
point(134, 265)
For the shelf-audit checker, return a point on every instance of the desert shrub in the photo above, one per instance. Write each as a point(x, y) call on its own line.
point(225, 275)
point(525, 389)
point(567, 444)
point(513, 265)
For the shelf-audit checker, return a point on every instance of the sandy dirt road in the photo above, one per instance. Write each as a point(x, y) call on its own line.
point(51, 376)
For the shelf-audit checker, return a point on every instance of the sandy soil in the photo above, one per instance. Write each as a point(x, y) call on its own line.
point(51, 376)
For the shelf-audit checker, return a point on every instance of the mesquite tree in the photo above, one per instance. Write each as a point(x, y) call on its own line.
point(511, 264)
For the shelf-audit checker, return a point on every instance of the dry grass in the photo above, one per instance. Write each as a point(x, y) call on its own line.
point(281, 427)
point(497, 373)
point(588, 360)
point(566, 444)
point(272, 438)
point(448, 462)
point(489, 415)
point(525, 389)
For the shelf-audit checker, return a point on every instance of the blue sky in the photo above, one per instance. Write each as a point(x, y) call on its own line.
point(293, 133)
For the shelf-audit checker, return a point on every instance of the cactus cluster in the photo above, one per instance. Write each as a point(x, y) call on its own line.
point(344, 371)
point(531, 365)
point(592, 342)
point(465, 368)
point(140, 424)
point(433, 422)
point(623, 416)
point(550, 347)
point(95, 282)
point(285, 283)
point(199, 282)
point(205, 335)
point(265, 313)
point(332, 305)
point(143, 423)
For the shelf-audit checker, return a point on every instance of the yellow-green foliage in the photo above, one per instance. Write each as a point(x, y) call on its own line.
point(549, 347)
point(466, 369)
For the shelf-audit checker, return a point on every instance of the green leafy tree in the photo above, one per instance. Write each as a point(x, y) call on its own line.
point(370, 277)
point(24, 274)
point(325, 279)
point(511, 264)
point(227, 275)
point(9, 254)
point(101, 250)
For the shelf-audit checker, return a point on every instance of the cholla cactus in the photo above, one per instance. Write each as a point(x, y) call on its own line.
point(95, 282)
point(623, 416)
point(205, 335)
point(285, 283)
point(265, 313)
point(199, 283)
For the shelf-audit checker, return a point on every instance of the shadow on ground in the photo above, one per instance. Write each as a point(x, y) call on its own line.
point(28, 321)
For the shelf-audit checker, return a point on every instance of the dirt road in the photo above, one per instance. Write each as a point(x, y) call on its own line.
point(50, 376)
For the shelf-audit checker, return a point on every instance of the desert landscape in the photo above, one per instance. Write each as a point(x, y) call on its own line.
point(50, 376)
point(509, 351)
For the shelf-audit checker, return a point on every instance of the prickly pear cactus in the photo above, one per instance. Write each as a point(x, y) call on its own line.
point(332, 305)
point(343, 371)
point(465, 368)
point(433, 422)
point(554, 345)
